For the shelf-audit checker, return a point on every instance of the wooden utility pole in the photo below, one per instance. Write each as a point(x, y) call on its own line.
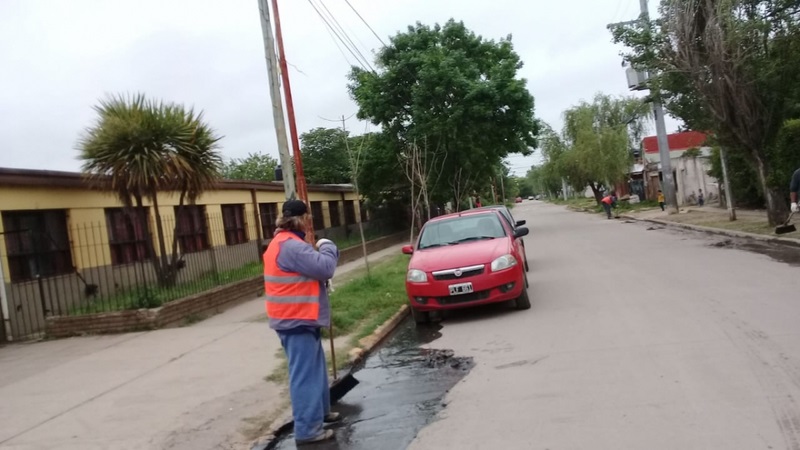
point(277, 104)
point(302, 190)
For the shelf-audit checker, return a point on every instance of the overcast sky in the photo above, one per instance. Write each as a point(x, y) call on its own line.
point(57, 58)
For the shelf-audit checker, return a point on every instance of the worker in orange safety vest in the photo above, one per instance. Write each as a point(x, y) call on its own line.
point(608, 202)
point(298, 307)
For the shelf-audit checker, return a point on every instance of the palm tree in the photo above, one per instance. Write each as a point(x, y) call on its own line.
point(138, 147)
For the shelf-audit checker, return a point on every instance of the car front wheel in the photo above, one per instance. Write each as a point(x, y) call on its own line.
point(523, 301)
point(420, 317)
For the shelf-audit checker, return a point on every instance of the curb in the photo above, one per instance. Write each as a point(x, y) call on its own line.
point(718, 231)
point(355, 356)
point(368, 343)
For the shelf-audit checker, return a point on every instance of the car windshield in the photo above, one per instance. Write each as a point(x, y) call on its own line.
point(461, 229)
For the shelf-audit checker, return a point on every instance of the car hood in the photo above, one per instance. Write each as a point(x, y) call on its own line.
point(460, 255)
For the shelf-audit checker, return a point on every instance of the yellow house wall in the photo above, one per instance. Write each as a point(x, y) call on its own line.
point(86, 219)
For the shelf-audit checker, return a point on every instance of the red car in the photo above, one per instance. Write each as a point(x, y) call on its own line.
point(466, 259)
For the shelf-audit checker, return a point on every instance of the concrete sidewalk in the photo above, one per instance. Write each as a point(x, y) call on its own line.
point(200, 386)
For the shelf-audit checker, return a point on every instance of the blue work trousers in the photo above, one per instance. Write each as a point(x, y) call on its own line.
point(308, 381)
point(607, 208)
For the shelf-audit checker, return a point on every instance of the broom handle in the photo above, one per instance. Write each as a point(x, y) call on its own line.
point(788, 218)
point(333, 352)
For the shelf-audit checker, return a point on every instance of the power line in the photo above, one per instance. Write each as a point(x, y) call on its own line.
point(333, 30)
point(350, 30)
point(345, 34)
point(338, 46)
point(365, 22)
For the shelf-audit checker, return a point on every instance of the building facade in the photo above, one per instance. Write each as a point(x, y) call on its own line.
point(690, 170)
point(65, 245)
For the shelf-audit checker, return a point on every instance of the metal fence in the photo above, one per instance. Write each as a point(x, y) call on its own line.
point(87, 269)
point(92, 272)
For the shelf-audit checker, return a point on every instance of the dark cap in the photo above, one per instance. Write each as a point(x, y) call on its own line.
point(294, 208)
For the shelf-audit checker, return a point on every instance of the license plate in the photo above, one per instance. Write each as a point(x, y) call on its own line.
point(461, 288)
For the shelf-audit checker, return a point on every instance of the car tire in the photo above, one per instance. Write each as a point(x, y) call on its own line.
point(523, 301)
point(420, 317)
point(525, 256)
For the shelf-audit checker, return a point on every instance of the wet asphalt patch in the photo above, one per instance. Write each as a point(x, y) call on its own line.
point(778, 251)
point(401, 390)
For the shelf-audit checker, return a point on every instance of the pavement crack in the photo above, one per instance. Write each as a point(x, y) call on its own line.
point(524, 362)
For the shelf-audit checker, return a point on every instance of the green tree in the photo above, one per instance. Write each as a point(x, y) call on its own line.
point(525, 187)
point(255, 167)
point(138, 148)
point(381, 178)
point(455, 95)
point(594, 146)
point(745, 188)
point(325, 158)
point(728, 67)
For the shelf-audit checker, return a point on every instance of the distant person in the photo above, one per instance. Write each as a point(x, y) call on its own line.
point(700, 199)
point(298, 307)
point(608, 202)
point(661, 201)
point(477, 201)
point(794, 188)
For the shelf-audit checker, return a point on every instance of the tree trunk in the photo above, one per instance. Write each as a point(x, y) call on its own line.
point(777, 212)
point(361, 230)
point(166, 276)
point(149, 246)
point(598, 196)
point(178, 216)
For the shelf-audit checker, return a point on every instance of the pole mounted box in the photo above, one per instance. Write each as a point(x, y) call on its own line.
point(636, 79)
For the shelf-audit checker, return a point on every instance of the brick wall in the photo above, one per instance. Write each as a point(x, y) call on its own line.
point(147, 319)
point(207, 302)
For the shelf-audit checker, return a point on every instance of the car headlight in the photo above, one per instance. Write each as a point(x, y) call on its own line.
point(416, 276)
point(503, 262)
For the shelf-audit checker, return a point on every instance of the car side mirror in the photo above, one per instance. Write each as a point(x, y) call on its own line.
point(408, 249)
point(521, 223)
point(520, 232)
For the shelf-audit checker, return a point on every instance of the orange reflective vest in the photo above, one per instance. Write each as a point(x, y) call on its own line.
point(290, 295)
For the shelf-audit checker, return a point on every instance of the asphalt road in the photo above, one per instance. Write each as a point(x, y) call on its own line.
point(637, 339)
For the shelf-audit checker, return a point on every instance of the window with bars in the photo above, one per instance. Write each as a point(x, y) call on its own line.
point(37, 243)
point(349, 212)
point(269, 215)
point(235, 226)
point(336, 220)
point(127, 235)
point(192, 228)
point(317, 215)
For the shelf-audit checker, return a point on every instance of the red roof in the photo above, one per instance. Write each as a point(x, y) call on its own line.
point(677, 141)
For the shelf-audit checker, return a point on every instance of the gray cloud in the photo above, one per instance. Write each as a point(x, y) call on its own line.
point(58, 58)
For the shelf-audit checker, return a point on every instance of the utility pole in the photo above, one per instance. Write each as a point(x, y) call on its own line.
point(668, 186)
point(277, 104)
point(302, 190)
point(728, 195)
